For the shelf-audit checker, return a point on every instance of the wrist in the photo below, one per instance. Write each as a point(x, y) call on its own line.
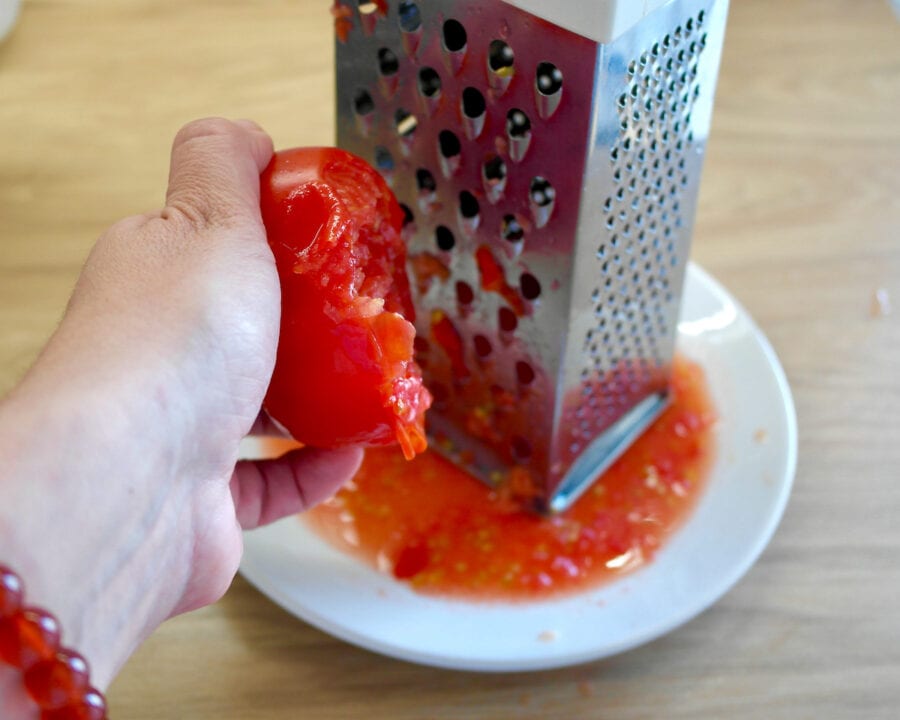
point(86, 516)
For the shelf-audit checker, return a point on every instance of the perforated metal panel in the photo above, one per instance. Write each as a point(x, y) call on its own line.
point(549, 185)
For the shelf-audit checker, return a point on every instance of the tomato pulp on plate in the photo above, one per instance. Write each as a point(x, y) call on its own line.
point(345, 372)
point(431, 524)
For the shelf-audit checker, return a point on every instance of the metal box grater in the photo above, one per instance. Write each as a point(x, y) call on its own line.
point(549, 169)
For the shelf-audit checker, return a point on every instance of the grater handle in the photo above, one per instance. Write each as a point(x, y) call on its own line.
point(599, 20)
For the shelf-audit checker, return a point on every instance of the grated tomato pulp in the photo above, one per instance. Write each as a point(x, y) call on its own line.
point(434, 526)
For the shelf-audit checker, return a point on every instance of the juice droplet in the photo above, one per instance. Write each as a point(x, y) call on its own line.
point(493, 279)
point(447, 336)
point(343, 23)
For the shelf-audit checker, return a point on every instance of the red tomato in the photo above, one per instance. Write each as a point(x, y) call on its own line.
point(345, 372)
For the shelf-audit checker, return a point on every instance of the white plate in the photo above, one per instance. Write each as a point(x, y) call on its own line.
point(734, 520)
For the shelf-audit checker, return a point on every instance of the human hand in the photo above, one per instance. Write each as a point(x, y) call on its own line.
point(120, 500)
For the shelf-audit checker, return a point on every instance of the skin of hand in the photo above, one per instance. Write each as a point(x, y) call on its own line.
point(121, 498)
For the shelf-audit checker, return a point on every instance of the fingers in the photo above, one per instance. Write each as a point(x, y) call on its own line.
point(214, 171)
point(268, 490)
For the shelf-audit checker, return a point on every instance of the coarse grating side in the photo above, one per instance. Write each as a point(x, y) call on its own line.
point(549, 184)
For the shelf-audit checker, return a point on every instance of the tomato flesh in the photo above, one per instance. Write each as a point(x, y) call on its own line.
point(344, 373)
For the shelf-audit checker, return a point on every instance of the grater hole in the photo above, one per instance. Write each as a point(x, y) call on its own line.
point(518, 131)
point(425, 181)
point(548, 83)
point(473, 109)
point(517, 124)
point(500, 66)
point(410, 16)
point(529, 286)
point(501, 58)
point(439, 393)
point(494, 169)
point(483, 347)
point(542, 192)
point(493, 176)
point(449, 144)
point(449, 152)
point(464, 293)
point(405, 123)
point(363, 104)
point(542, 198)
point(408, 227)
point(388, 63)
point(429, 83)
point(469, 208)
point(524, 373)
point(408, 217)
point(384, 161)
point(507, 320)
point(454, 36)
point(511, 229)
point(520, 448)
point(444, 238)
point(473, 104)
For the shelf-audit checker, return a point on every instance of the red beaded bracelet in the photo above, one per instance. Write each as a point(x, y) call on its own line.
point(56, 678)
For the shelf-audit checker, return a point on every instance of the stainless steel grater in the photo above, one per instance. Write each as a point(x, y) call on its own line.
point(548, 158)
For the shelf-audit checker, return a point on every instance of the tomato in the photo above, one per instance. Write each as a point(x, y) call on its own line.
point(344, 372)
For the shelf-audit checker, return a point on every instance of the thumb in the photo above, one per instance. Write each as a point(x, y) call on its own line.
point(214, 171)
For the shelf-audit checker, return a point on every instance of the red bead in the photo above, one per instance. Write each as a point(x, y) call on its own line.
point(10, 592)
point(91, 707)
point(27, 637)
point(57, 681)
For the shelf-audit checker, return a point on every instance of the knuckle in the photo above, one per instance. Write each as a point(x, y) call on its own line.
point(202, 211)
point(194, 212)
point(205, 128)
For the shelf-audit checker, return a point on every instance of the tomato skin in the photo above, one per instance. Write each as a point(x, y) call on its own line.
point(344, 372)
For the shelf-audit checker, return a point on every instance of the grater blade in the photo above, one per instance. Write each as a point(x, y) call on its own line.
point(549, 183)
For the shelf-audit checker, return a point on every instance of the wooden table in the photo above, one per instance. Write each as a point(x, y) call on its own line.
point(799, 217)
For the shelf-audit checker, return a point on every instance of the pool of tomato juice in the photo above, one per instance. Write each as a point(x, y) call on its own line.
point(428, 523)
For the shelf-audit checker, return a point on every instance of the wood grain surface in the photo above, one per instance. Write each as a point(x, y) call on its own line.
point(799, 217)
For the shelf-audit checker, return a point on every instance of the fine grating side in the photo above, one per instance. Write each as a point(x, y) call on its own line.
point(549, 185)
